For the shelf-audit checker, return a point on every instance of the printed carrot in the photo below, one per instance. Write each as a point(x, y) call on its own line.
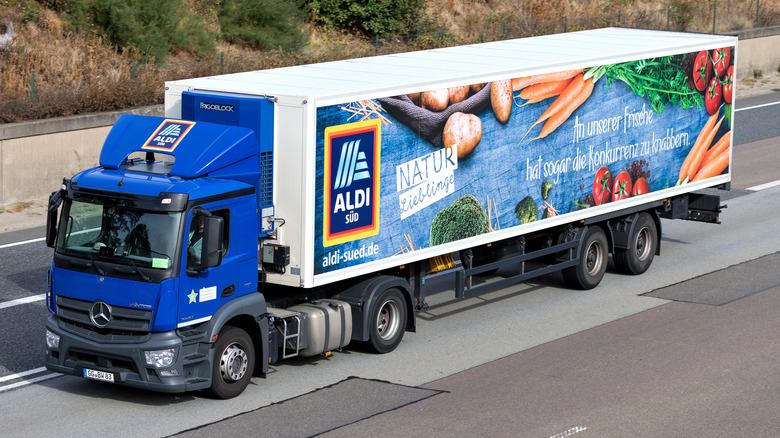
point(544, 90)
point(561, 116)
point(520, 83)
point(698, 147)
point(716, 150)
point(714, 167)
point(562, 101)
point(697, 159)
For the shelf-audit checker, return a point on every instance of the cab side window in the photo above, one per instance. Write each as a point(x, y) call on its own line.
point(195, 236)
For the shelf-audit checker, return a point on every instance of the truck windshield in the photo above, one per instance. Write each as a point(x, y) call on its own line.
point(139, 238)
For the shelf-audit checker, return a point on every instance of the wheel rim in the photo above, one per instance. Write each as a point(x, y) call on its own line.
point(387, 319)
point(233, 363)
point(595, 258)
point(642, 244)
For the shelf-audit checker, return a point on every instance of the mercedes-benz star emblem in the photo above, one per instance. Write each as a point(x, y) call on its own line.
point(100, 313)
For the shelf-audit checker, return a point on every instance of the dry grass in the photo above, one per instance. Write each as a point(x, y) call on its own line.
point(19, 207)
point(76, 74)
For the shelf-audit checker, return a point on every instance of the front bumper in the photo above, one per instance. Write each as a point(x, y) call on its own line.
point(124, 358)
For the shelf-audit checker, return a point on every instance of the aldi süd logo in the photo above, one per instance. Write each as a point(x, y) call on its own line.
point(168, 135)
point(351, 205)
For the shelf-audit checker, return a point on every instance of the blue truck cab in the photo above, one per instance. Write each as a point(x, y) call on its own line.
point(151, 252)
point(158, 278)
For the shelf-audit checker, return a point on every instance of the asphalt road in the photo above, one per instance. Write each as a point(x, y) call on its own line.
point(532, 360)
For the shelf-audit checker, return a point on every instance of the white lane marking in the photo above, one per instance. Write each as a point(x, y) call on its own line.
point(22, 374)
point(765, 186)
point(27, 382)
point(8, 245)
point(567, 433)
point(757, 106)
point(24, 300)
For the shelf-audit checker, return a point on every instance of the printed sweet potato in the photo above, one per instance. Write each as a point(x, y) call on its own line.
point(435, 100)
point(458, 94)
point(501, 99)
point(463, 130)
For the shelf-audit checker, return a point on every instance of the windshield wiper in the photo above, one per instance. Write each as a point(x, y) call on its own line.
point(137, 271)
point(99, 270)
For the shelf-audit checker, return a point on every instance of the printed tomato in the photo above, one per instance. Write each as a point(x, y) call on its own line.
point(621, 188)
point(713, 95)
point(721, 59)
point(641, 187)
point(728, 85)
point(702, 70)
point(602, 186)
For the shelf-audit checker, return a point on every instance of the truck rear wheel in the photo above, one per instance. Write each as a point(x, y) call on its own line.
point(388, 321)
point(593, 261)
point(234, 363)
point(643, 243)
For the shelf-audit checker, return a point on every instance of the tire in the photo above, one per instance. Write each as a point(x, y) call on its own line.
point(234, 363)
point(388, 321)
point(593, 261)
point(642, 246)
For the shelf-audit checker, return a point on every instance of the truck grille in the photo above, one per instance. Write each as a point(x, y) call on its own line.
point(124, 325)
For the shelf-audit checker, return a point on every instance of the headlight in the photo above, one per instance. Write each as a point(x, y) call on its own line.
point(52, 340)
point(160, 358)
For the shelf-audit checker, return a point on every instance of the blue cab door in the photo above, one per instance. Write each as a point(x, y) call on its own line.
point(202, 293)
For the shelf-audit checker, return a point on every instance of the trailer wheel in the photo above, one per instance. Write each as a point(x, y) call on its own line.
point(643, 243)
point(593, 261)
point(388, 321)
point(234, 362)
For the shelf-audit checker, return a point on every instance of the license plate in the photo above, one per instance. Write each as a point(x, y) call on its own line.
point(99, 375)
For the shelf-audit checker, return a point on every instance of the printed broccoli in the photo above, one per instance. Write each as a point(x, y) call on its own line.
point(464, 218)
point(527, 210)
point(546, 187)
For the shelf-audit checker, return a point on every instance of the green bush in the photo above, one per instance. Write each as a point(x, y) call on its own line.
point(29, 10)
point(681, 14)
point(153, 27)
point(379, 17)
point(262, 24)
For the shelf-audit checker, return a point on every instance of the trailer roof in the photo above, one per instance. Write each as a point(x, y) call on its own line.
point(386, 75)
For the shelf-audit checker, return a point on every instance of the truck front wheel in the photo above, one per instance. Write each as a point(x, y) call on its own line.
point(388, 321)
point(234, 362)
point(643, 243)
point(593, 260)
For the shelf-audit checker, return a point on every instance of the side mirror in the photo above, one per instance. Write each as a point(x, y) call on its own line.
point(51, 218)
point(213, 229)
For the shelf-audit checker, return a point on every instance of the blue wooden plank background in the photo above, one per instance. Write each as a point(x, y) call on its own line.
point(499, 166)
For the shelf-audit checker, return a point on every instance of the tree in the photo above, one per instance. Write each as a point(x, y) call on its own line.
point(377, 17)
point(262, 24)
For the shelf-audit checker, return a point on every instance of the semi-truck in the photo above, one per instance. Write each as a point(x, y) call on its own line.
point(296, 211)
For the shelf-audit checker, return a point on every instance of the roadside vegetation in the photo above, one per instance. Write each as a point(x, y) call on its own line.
point(70, 57)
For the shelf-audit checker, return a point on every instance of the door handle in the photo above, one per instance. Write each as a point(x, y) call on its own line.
point(228, 291)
